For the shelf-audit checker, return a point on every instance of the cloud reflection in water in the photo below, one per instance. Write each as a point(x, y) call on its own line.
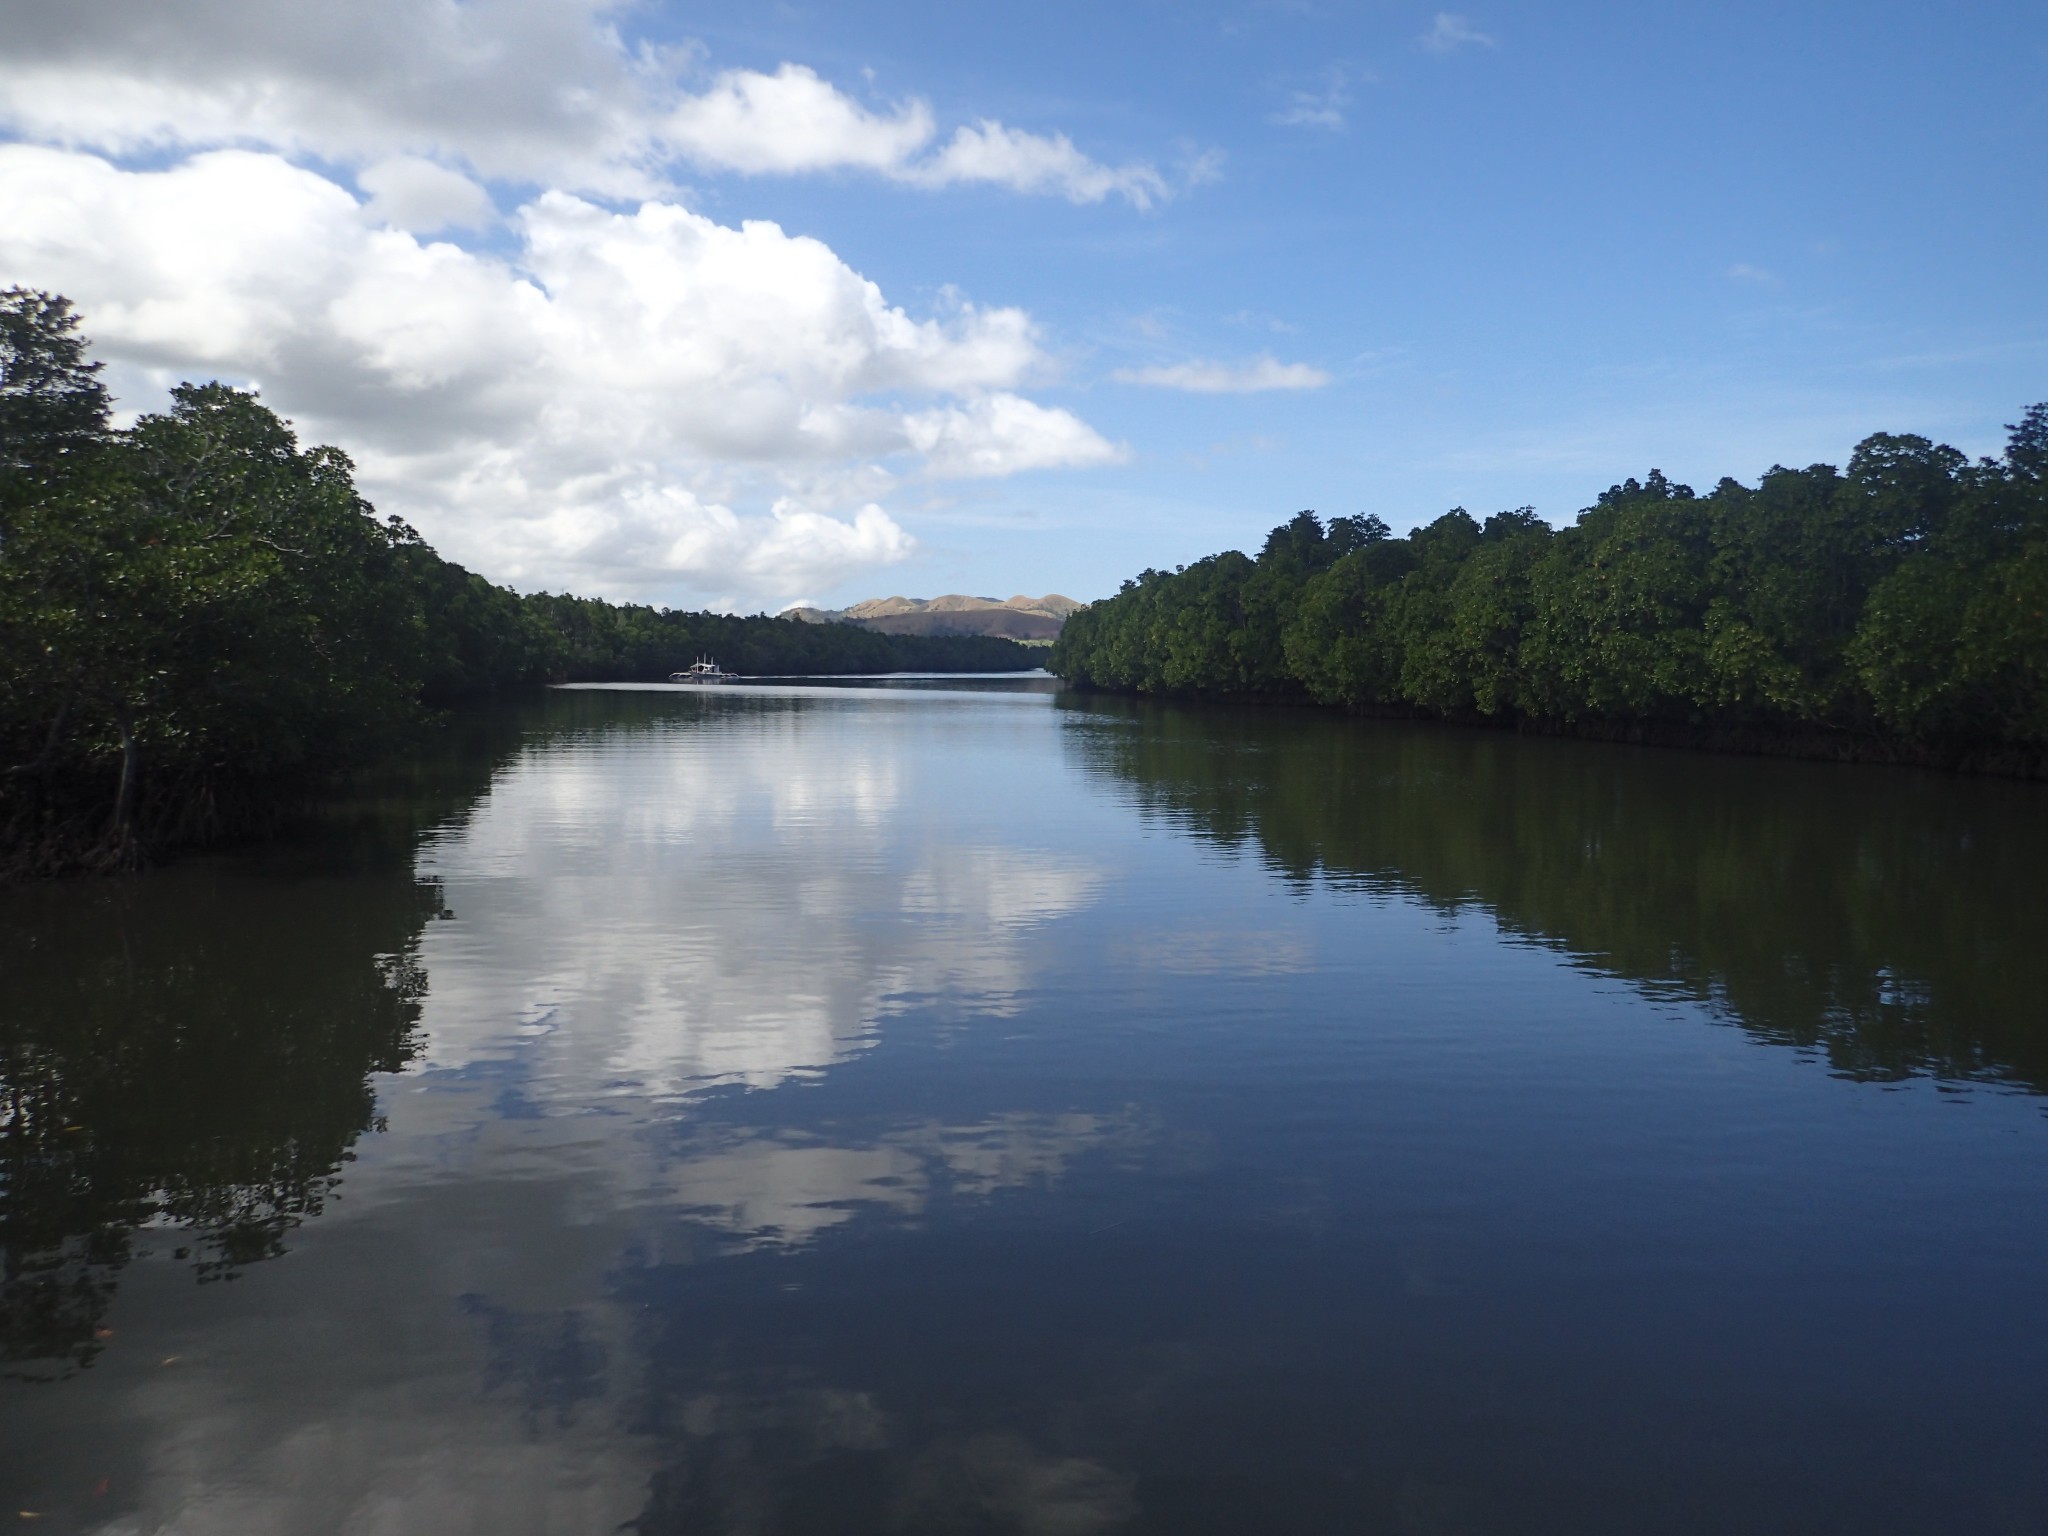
point(719, 900)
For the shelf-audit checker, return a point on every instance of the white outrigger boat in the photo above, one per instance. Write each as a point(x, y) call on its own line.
point(702, 671)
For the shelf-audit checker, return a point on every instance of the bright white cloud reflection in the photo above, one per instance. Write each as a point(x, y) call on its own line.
point(781, 1191)
point(725, 897)
point(728, 892)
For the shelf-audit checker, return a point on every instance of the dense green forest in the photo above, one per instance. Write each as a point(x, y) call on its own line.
point(1896, 610)
point(199, 618)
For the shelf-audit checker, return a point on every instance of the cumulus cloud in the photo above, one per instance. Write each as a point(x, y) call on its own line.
point(1002, 433)
point(1211, 378)
point(537, 92)
point(605, 389)
point(407, 192)
point(582, 410)
point(1450, 32)
point(791, 121)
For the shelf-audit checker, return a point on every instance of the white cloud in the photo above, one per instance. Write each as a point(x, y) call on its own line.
point(1743, 272)
point(581, 411)
point(641, 403)
point(536, 92)
point(1450, 32)
point(1030, 162)
point(409, 193)
point(1210, 378)
point(1001, 434)
point(540, 91)
point(791, 121)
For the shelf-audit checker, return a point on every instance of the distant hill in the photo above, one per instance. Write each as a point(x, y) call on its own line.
point(1017, 618)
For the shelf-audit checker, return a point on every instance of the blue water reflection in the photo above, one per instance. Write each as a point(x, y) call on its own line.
point(975, 1109)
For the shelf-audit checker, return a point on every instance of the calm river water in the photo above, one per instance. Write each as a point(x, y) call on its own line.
point(969, 1108)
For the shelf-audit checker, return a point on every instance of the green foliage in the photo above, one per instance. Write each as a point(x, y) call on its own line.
point(1619, 629)
point(198, 598)
point(52, 405)
point(1899, 604)
point(603, 642)
point(198, 618)
point(1343, 643)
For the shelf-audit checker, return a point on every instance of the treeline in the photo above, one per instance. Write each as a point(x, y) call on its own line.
point(1897, 609)
point(199, 618)
point(602, 642)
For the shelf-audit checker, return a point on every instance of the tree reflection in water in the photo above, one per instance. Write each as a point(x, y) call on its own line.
point(189, 1052)
point(1888, 919)
point(1114, 1193)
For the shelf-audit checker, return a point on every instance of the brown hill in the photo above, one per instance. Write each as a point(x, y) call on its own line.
point(881, 608)
point(955, 613)
point(1015, 623)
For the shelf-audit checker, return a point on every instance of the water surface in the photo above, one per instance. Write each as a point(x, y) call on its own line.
point(973, 1108)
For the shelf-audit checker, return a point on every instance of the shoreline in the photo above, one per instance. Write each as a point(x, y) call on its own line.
point(2018, 762)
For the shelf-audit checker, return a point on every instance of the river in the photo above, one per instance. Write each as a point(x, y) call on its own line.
point(964, 1106)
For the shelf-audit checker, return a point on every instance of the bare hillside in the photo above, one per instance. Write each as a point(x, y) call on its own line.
point(954, 613)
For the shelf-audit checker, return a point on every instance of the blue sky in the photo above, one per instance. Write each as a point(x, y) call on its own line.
point(1505, 255)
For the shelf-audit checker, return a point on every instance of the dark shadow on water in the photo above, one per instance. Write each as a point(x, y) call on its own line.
point(1208, 1317)
point(186, 1055)
point(190, 1051)
point(1890, 919)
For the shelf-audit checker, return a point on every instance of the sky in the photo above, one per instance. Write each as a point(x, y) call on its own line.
point(742, 306)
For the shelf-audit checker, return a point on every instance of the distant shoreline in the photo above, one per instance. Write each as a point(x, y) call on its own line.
point(1893, 611)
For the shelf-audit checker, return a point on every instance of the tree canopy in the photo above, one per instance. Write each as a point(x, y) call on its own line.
point(52, 403)
point(199, 616)
point(1895, 608)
